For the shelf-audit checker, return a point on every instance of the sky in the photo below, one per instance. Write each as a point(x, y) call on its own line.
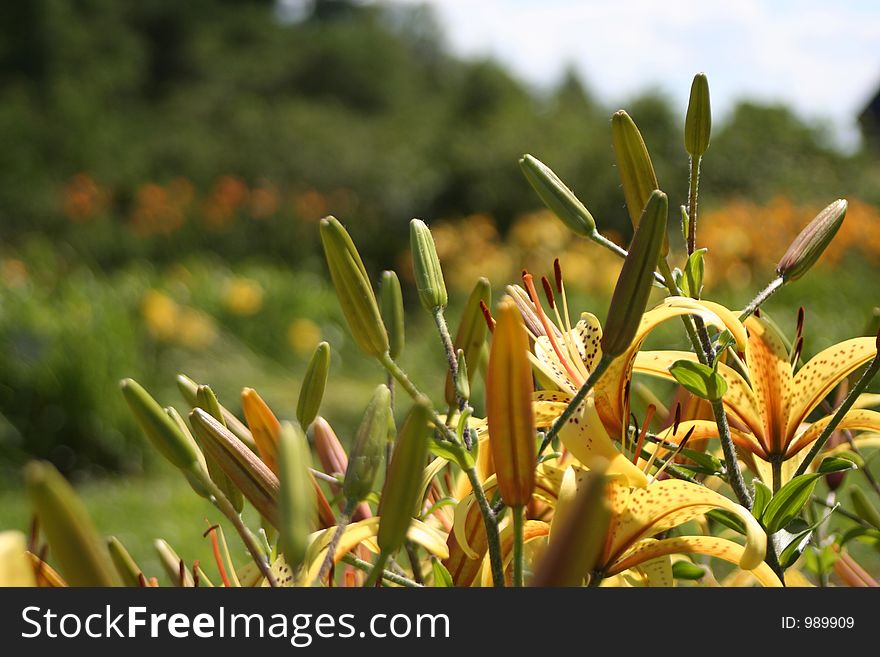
point(821, 57)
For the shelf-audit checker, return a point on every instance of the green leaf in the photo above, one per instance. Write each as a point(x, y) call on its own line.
point(708, 464)
point(549, 457)
point(762, 497)
point(820, 561)
point(699, 379)
point(788, 502)
point(727, 519)
point(861, 534)
point(687, 570)
point(693, 274)
point(836, 464)
point(452, 452)
point(442, 578)
point(797, 543)
point(439, 504)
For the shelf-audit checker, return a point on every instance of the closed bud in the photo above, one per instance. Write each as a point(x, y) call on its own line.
point(863, 507)
point(636, 277)
point(399, 500)
point(207, 401)
point(334, 461)
point(462, 384)
point(368, 447)
point(125, 565)
point(264, 426)
point(189, 388)
point(353, 288)
point(471, 334)
point(557, 196)
point(249, 474)
point(634, 167)
point(426, 267)
point(698, 122)
point(72, 538)
point(179, 448)
point(171, 564)
point(314, 382)
point(297, 502)
point(391, 307)
point(812, 241)
point(509, 411)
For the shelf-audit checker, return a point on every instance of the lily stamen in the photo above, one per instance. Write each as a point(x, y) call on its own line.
point(649, 415)
point(672, 456)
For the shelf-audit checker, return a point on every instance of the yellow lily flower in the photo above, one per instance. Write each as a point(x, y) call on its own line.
point(769, 412)
point(563, 356)
point(639, 514)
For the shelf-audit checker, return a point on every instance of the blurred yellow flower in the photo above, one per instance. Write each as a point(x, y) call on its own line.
point(160, 312)
point(303, 335)
point(243, 296)
point(195, 329)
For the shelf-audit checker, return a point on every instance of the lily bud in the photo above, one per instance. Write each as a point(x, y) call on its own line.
point(334, 461)
point(353, 288)
point(636, 277)
point(426, 267)
point(264, 426)
point(72, 537)
point(698, 122)
point(127, 568)
point(812, 241)
point(471, 334)
point(189, 388)
point(863, 507)
point(462, 384)
point(391, 307)
point(512, 436)
point(207, 401)
point(180, 449)
point(314, 382)
point(251, 475)
point(368, 447)
point(297, 501)
point(576, 543)
point(634, 166)
point(400, 493)
point(171, 564)
point(557, 196)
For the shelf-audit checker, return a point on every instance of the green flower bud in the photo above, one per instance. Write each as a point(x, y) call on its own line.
point(353, 288)
point(426, 267)
point(557, 197)
point(634, 167)
point(863, 507)
point(366, 454)
point(698, 122)
point(812, 241)
point(636, 277)
point(399, 500)
point(462, 383)
point(297, 507)
point(314, 382)
point(391, 302)
point(80, 552)
point(188, 389)
point(252, 477)
point(207, 401)
point(471, 334)
point(127, 568)
point(160, 429)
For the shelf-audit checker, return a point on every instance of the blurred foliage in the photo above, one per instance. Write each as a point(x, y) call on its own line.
point(155, 114)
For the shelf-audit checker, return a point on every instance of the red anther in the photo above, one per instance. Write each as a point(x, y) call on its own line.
point(142, 581)
point(181, 573)
point(649, 414)
point(557, 271)
point(548, 291)
point(677, 418)
point(487, 315)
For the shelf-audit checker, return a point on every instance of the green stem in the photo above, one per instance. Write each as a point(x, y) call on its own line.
point(225, 506)
point(413, 557)
point(762, 296)
point(603, 241)
point(518, 538)
point(851, 398)
point(693, 185)
point(377, 569)
point(452, 360)
point(776, 467)
point(387, 575)
point(334, 542)
point(576, 401)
